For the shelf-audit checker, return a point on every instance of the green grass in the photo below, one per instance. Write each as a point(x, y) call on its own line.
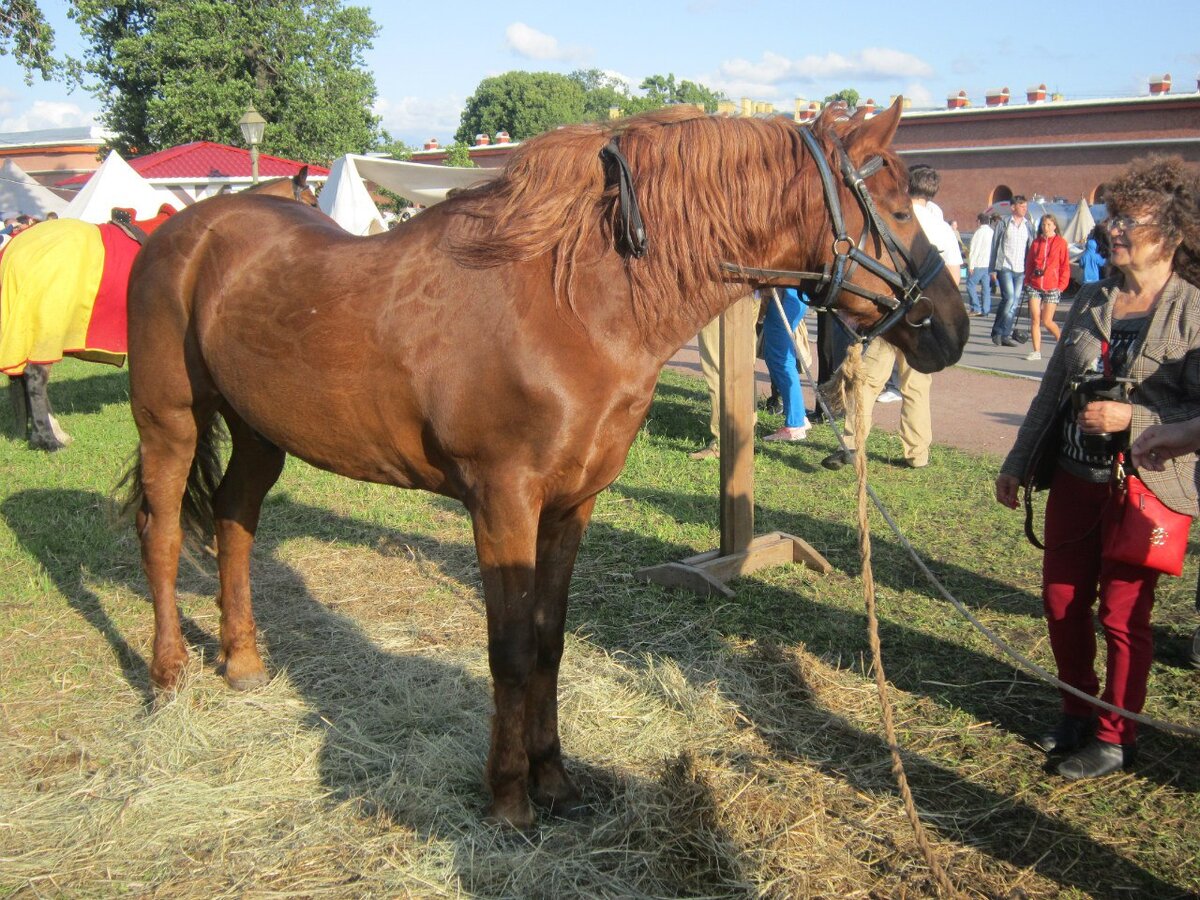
point(732, 747)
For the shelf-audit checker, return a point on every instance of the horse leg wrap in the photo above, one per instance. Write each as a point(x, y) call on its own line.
point(20, 405)
point(42, 437)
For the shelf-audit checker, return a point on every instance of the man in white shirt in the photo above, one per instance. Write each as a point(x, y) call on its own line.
point(1010, 243)
point(979, 258)
point(916, 428)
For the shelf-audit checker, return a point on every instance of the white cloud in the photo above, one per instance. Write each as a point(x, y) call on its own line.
point(871, 63)
point(43, 114)
point(919, 96)
point(416, 119)
point(534, 44)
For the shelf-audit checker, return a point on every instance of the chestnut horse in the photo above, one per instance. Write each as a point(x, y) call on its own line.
point(498, 349)
point(29, 383)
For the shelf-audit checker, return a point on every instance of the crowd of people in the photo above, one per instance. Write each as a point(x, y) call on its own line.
point(1120, 395)
point(14, 225)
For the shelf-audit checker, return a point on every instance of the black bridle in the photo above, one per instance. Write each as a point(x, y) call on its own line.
point(907, 279)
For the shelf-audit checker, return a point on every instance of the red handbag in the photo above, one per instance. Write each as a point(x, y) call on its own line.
point(1141, 530)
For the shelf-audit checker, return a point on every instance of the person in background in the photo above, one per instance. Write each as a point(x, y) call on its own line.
point(1092, 261)
point(780, 355)
point(1143, 325)
point(1010, 244)
point(1047, 274)
point(916, 428)
point(979, 291)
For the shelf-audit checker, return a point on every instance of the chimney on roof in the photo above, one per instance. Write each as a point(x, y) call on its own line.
point(958, 101)
point(1036, 94)
point(1160, 86)
point(869, 106)
point(431, 144)
point(747, 107)
point(997, 97)
point(482, 140)
point(502, 137)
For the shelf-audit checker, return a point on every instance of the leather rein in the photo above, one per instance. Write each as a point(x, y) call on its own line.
point(908, 279)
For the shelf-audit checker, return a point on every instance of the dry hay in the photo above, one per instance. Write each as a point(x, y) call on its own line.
point(718, 768)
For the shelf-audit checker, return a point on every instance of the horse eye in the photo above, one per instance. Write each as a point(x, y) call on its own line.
point(902, 216)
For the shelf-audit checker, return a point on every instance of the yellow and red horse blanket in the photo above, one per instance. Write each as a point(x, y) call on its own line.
point(63, 292)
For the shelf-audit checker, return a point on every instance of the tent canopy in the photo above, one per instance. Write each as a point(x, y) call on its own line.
point(115, 183)
point(19, 193)
point(345, 198)
point(1081, 224)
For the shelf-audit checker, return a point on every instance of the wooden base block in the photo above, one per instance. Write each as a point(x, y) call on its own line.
point(707, 573)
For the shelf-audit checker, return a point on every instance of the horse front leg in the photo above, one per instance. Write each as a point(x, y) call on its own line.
point(505, 539)
point(43, 435)
point(558, 545)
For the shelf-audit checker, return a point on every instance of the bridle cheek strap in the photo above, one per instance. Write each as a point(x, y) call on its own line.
point(907, 279)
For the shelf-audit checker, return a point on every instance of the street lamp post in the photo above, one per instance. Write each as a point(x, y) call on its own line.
point(252, 125)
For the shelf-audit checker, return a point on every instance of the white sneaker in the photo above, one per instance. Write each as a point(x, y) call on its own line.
point(1036, 354)
point(888, 396)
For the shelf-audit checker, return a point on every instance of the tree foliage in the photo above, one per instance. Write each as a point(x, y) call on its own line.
point(25, 33)
point(521, 103)
point(171, 71)
point(527, 103)
point(849, 96)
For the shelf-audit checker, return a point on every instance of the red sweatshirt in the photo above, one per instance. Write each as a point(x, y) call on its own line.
point(1051, 257)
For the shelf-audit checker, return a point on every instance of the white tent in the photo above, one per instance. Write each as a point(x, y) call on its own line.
point(1081, 224)
point(115, 183)
point(19, 193)
point(345, 199)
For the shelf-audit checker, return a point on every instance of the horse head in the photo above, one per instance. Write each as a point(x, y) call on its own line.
point(294, 188)
point(873, 263)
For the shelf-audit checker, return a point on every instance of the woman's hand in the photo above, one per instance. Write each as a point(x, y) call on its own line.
point(1104, 417)
point(1158, 443)
point(1006, 490)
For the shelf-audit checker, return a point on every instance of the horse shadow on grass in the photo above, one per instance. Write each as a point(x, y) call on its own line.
point(400, 729)
point(404, 734)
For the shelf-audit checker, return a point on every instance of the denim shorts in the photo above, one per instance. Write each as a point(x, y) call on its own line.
point(1044, 296)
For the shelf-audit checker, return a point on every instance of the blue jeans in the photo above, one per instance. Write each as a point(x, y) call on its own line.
point(979, 284)
point(780, 355)
point(1011, 284)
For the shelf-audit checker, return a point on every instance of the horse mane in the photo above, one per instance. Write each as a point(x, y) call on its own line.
point(710, 188)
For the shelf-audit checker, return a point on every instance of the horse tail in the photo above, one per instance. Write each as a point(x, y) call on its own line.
point(196, 509)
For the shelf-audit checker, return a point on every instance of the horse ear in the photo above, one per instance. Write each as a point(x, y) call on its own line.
point(829, 114)
point(875, 134)
point(300, 179)
point(860, 115)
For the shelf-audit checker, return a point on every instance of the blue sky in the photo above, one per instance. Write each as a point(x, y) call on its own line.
point(429, 57)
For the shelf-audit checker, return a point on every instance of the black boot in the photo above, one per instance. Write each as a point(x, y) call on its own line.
point(1096, 759)
point(1068, 735)
point(837, 459)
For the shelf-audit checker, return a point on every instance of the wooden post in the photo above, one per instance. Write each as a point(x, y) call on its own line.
point(740, 552)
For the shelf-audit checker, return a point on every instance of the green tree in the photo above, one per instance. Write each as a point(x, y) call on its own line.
point(522, 103)
point(849, 96)
point(26, 35)
point(172, 71)
point(458, 154)
point(662, 90)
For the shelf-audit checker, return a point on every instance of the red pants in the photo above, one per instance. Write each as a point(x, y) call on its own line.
point(1073, 576)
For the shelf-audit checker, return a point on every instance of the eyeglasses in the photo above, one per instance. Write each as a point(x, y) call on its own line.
point(1123, 223)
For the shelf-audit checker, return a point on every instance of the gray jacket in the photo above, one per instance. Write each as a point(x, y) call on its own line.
point(998, 241)
point(1166, 369)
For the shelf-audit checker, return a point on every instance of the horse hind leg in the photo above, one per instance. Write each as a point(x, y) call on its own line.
point(42, 433)
point(254, 467)
point(18, 397)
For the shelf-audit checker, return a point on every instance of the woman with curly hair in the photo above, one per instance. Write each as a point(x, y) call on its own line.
point(1047, 274)
point(1140, 329)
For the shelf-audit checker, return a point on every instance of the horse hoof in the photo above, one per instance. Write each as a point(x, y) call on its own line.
point(518, 815)
point(49, 446)
point(248, 681)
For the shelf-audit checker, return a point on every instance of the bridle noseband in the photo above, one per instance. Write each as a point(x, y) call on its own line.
point(908, 279)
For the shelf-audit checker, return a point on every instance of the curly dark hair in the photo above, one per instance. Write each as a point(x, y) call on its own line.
point(1166, 188)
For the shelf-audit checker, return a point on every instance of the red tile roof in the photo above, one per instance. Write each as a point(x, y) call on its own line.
point(206, 159)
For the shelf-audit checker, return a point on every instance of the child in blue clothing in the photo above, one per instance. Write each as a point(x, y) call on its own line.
point(780, 355)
